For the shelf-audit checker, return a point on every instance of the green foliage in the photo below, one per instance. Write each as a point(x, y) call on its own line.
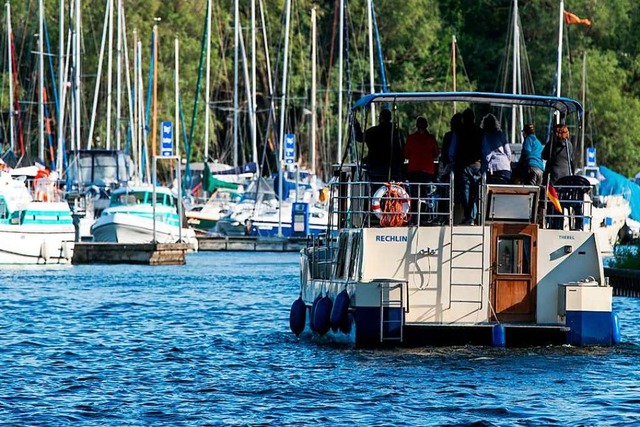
point(626, 257)
point(415, 37)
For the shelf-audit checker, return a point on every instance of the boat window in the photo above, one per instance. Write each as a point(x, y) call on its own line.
point(355, 253)
point(514, 253)
point(4, 212)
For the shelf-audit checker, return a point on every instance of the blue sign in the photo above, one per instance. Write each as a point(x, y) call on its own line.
point(591, 156)
point(289, 148)
point(167, 139)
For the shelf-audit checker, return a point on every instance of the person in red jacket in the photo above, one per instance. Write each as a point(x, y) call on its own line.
point(421, 150)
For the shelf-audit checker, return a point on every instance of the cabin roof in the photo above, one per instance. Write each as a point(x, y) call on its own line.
point(561, 104)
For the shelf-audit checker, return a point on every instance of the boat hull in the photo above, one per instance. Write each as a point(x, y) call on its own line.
point(33, 244)
point(128, 228)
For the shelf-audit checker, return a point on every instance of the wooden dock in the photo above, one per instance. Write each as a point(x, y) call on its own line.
point(130, 253)
point(625, 283)
point(251, 244)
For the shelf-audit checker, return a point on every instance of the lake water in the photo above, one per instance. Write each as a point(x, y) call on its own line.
point(209, 344)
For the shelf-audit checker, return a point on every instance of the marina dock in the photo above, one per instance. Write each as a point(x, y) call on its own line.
point(130, 253)
point(249, 243)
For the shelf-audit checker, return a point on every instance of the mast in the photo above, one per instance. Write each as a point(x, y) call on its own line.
point(236, 25)
point(514, 68)
point(340, 67)
point(282, 114)
point(41, 80)
point(154, 103)
point(371, 65)
point(583, 99)
point(96, 93)
point(77, 74)
point(61, 76)
point(119, 30)
point(454, 73)
point(12, 137)
point(109, 76)
point(312, 149)
point(177, 103)
point(559, 58)
point(252, 117)
point(207, 107)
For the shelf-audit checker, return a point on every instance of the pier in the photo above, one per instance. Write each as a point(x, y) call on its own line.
point(625, 282)
point(130, 253)
point(252, 244)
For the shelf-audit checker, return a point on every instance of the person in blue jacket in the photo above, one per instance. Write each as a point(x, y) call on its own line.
point(530, 165)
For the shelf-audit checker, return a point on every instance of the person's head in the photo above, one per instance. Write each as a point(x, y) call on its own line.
point(468, 117)
point(456, 121)
point(528, 129)
point(561, 131)
point(385, 116)
point(422, 123)
point(490, 123)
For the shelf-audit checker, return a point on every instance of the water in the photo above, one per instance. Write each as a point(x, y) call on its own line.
point(209, 344)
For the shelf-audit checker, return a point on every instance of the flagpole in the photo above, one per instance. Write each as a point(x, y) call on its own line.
point(559, 59)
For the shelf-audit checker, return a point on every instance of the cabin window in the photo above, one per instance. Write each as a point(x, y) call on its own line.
point(4, 212)
point(514, 254)
point(355, 253)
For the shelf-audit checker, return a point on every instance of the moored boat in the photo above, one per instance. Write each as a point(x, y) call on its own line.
point(34, 230)
point(406, 272)
point(130, 218)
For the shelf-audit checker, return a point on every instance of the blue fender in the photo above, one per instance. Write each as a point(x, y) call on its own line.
point(322, 315)
point(312, 311)
point(498, 336)
point(298, 316)
point(615, 328)
point(340, 312)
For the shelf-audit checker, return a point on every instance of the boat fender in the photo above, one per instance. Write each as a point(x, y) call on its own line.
point(298, 316)
point(322, 315)
point(615, 325)
point(67, 250)
point(312, 311)
point(498, 336)
point(44, 251)
point(340, 310)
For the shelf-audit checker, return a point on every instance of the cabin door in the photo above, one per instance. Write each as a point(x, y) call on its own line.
point(513, 272)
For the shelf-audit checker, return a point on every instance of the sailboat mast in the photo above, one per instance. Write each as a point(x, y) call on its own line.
point(78, 26)
point(514, 68)
point(252, 117)
point(236, 37)
point(41, 80)
point(583, 100)
point(282, 114)
point(61, 77)
point(371, 65)
point(118, 74)
point(154, 103)
point(312, 148)
point(176, 126)
point(96, 93)
point(207, 106)
point(109, 76)
point(12, 137)
point(454, 72)
point(559, 58)
point(340, 67)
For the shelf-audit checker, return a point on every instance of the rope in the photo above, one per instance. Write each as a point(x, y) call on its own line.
point(393, 213)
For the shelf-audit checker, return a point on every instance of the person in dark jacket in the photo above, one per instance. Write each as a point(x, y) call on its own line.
point(467, 155)
point(558, 153)
point(384, 160)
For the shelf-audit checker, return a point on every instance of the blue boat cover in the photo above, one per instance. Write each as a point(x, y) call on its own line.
point(614, 183)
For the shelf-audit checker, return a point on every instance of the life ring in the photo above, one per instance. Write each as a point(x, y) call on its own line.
point(391, 204)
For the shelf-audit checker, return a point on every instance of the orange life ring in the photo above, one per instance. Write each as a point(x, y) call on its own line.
point(391, 203)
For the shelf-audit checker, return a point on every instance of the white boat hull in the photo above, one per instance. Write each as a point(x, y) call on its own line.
point(126, 228)
point(35, 244)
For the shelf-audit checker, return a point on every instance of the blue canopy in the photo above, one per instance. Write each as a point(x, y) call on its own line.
point(614, 183)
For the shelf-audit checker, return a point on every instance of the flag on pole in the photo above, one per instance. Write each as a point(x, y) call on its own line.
point(552, 195)
point(570, 18)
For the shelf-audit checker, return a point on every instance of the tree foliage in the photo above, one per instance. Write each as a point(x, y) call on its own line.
point(415, 39)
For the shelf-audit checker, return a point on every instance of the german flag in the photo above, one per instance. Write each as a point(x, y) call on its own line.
point(552, 195)
point(570, 18)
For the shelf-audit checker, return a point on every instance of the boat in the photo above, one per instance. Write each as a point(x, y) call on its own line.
point(424, 279)
point(130, 218)
point(36, 226)
point(259, 212)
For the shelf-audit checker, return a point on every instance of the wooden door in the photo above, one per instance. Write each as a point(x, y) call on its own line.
point(513, 272)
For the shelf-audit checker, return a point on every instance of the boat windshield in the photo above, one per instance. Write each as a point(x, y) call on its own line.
point(140, 197)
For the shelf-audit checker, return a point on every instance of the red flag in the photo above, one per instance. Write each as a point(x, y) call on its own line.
point(570, 18)
point(552, 195)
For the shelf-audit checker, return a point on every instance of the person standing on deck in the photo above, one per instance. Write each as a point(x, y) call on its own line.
point(467, 155)
point(384, 159)
point(421, 151)
point(530, 164)
point(496, 153)
point(558, 153)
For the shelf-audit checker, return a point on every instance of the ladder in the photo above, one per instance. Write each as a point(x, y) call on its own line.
point(392, 294)
point(467, 255)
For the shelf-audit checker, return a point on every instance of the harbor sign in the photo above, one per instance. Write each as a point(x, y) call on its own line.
point(167, 139)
